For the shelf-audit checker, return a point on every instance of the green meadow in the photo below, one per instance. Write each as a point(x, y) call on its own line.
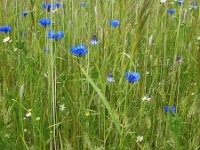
point(54, 99)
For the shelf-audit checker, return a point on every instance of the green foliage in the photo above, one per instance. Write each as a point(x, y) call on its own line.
point(56, 100)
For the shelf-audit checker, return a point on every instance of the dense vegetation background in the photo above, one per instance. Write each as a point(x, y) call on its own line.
point(53, 99)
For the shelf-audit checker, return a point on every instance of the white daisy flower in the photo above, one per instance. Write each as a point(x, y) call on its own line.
point(7, 39)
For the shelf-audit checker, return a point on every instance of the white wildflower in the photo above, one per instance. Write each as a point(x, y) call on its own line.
point(163, 1)
point(7, 39)
point(53, 11)
point(62, 107)
point(145, 98)
point(139, 138)
point(28, 114)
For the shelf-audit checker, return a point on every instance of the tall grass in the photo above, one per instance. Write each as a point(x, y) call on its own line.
point(100, 115)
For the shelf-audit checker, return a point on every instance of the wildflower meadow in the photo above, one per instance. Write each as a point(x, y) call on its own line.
point(99, 75)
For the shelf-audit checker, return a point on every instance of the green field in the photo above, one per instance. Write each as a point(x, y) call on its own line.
point(53, 98)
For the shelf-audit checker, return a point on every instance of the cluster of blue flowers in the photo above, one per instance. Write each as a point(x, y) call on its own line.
point(5, 29)
point(80, 50)
point(167, 109)
point(48, 7)
point(180, 3)
point(55, 36)
point(47, 22)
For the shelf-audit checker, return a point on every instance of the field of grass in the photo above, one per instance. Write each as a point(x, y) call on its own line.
point(51, 98)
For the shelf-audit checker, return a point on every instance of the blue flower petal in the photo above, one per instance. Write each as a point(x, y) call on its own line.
point(83, 4)
point(180, 2)
point(171, 11)
point(44, 5)
point(81, 47)
point(79, 50)
point(114, 23)
point(24, 13)
point(58, 4)
point(55, 36)
point(59, 35)
point(5, 29)
point(51, 35)
point(173, 110)
point(45, 22)
point(132, 76)
point(166, 108)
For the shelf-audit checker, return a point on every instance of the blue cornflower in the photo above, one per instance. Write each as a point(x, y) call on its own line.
point(79, 50)
point(45, 22)
point(180, 2)
point(173, 110)
point(114, 23)
point(46, 6)
point(58, 4)
point(94, 40)
point(5, 29)
point(171, 11)
point(167, 109)
point(24, 13)
point(110, 77)
point(132, 76)
point(83, 4)
point(59, 35)
point(51, 35)
point(55, 36)
point(49, 6)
